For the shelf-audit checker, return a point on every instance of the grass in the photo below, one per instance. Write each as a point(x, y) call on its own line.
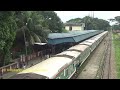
point(116, 41)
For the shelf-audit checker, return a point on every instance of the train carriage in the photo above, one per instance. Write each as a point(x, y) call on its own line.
point(49, 68)
point(90, 44)
point(94, 45)
point(85, 52)
point(73, 54)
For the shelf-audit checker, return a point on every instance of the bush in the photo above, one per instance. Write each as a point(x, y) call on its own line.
point(64, 31)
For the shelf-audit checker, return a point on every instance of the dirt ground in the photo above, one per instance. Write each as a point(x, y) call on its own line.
point(110, 65)
point(90, 71)
point(113, 74)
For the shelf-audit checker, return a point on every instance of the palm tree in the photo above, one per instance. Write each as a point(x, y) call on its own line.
point(30, 29)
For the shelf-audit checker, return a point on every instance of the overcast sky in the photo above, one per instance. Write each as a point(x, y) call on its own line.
point(67, 15)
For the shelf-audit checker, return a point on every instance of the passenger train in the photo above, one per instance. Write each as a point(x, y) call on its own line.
point(65, 64)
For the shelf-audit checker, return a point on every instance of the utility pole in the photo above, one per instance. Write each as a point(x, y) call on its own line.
point(25, 42)
point(92, 14)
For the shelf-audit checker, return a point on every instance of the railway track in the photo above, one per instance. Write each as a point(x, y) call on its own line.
point(104, 71)
point(107, 64)
point(109, 68)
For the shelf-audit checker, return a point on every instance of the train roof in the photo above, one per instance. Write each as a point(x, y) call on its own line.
point(72, 53)
point(79, 47)
point(86, 43)
point(91, 40)
point(28, 76)
point(48, 68)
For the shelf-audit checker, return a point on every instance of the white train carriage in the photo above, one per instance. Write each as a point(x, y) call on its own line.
point(71, 69)
point(84, 53)
point(90, 44)
point(97, 39)
point(93, 42)
point(49, 68)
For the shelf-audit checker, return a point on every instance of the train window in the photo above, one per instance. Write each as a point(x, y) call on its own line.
point(66, 72)
point(73, 65)
point(58, 78)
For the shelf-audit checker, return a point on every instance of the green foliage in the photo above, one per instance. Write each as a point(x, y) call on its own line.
point(64, 30)
point(53, 21)
point(32, 24)
point(39, 25)
point(116, 42)
point(75, 20)
point(95, 23)
point(16, 27)
point(7, 34)
point(117, 18)
point(116, 26)
point(92, 23)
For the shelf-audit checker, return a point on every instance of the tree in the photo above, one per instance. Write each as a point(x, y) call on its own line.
point(116, 26)
point(92, 23)
point(53, 21)
point(88, 22)
point(77, 20)
point(7, 35)
point(30, 29)
point(25, 26)
point(117, 19)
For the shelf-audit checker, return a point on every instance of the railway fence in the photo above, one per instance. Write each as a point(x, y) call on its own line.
point(19, 62)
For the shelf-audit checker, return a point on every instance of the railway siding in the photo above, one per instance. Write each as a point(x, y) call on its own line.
point(108, 67)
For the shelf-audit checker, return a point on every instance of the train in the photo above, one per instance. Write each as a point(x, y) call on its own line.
point(65, 64)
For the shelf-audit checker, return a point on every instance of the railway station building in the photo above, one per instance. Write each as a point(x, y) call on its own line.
point(74, 26)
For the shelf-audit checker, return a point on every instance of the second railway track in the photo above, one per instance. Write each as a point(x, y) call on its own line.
point(107, 69)
point(104, 71)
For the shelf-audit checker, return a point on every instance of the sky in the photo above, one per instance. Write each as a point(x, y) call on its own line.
point(67, 15)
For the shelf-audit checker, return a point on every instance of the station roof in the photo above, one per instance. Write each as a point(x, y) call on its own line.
point(71, 36)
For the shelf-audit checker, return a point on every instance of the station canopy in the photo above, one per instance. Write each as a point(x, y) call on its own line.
point(71, 36)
